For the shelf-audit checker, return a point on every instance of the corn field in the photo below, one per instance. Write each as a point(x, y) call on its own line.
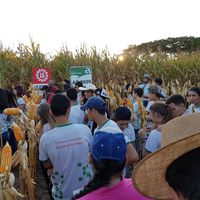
point(179, 71)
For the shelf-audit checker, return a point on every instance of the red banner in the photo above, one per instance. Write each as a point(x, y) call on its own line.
point(41, 75)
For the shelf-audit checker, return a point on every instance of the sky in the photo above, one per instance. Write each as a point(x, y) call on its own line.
point(111, 24)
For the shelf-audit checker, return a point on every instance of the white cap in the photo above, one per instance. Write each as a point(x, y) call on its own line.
point(89, 86)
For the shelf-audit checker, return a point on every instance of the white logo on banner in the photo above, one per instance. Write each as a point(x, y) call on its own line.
point(42, 75)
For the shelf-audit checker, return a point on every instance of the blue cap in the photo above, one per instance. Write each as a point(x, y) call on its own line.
point(94, 102)
point(109, 146)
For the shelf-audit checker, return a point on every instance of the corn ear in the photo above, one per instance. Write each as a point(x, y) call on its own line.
point(12, 111)
point(18, 132)
point(6, 159)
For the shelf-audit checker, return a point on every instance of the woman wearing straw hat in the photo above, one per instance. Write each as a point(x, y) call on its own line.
point(173, 171)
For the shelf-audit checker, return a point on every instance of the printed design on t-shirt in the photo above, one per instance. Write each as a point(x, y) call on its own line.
point(85, 171)
point(57, 181)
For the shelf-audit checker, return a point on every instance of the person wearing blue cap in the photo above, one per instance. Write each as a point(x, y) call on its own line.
point(96, 108)
point(108, 158)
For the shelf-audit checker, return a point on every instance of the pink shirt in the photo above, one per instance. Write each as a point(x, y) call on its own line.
point(123, 190)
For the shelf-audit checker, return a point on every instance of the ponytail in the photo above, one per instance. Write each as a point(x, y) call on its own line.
point(163, 110)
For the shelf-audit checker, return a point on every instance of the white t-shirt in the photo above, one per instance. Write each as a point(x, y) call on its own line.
point(145, 88)
point(129, 133)
point(67, 147)
point(193, 109)
point(46, 127)
point(153, 142)
point(76, 115)
point(113, 125)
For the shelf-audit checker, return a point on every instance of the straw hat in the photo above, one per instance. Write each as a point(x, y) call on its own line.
point(179, 136)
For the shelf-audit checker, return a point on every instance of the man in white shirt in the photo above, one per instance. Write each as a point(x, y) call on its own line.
point(95, 108)
point(65, 149)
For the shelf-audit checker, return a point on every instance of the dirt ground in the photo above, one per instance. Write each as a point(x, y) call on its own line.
point(40, 187)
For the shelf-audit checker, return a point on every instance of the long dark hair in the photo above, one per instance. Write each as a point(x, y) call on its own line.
point(183, 175)
point(3, 100)
point(45, 116)
point(12, 100)
point(163, 110)
point(195, 89)
point(105, 169)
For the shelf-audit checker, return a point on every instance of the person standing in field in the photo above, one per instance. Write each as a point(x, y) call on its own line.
point(76, 115)
point(78, 84)
point(159, 83)
point(138, 110)
point(154, 96)
point(96, 109)
point(145, 86)
point(65, 149)
point(194, 99)
point(108, 158)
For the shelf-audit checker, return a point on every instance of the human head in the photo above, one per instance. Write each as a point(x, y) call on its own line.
point(44, 90)
point(72, 94)
point(108, 159)
point(19, 91)
point(66, 84)
point(177, 104)
point(60, 105)
point(137, 92)
point(89, 90)
point(102, 93)
point(194, 95)
point(52, 83)
point(146, 78)
point(183, 175)
point(122, 117)
point(108, 146)
point(154, 93)
point(158, 81)
point(44, 114)
point(78, 84)
point(160, 113)
point(94, 106)
point(12, 101)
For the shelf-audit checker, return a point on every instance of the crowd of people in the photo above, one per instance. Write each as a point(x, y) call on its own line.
point(88, 153)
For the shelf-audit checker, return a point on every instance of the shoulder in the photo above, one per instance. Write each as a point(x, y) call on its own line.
point(47, 135)
point(80, 126)
point(155, 132)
